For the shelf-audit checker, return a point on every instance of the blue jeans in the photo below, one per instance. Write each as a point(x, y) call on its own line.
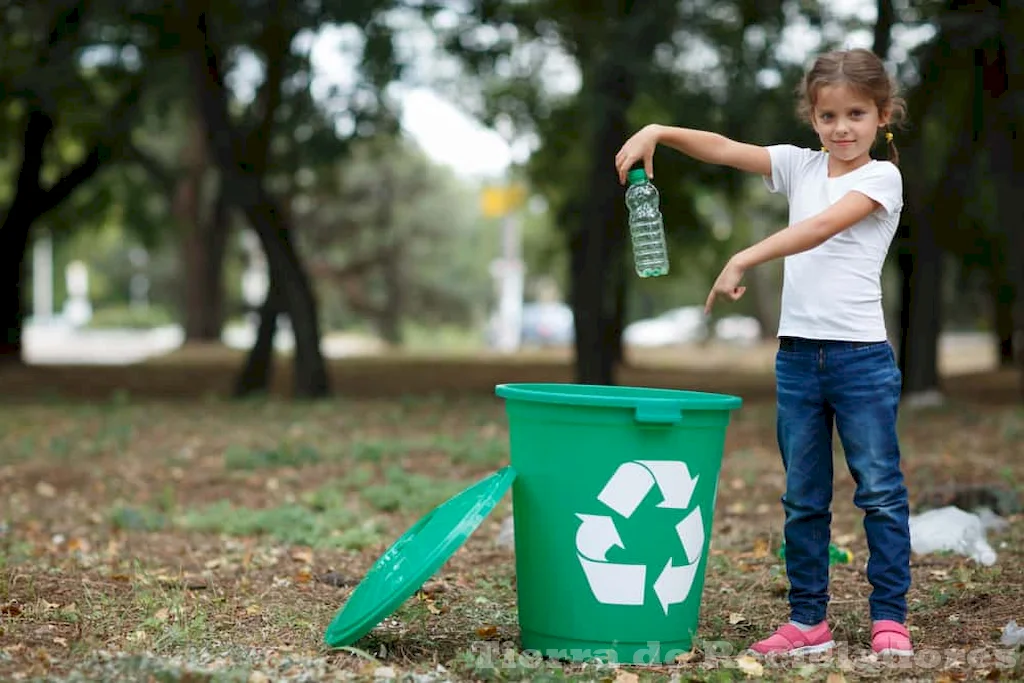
point(857, 385)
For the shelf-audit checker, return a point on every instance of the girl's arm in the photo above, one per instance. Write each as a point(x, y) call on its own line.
point(701, 145)
point(799, 237)
point(810, 232)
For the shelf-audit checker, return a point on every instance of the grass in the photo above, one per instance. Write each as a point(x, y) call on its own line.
point(145, 537)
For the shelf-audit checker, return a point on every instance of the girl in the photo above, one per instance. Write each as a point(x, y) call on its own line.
point(834, 361)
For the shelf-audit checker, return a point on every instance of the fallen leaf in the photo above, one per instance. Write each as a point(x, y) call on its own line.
point(760, 548)
point(195, 583)
point(78, 545)
point(120, 578)
point(736, 617)
point(303, 555)
point(162, 614)
point(46, 490)
point(487, 631)
point(749, 666)
point(686, 657)
point(11, 609)
point(835, 677)
point(304, 575)
point(622, 676)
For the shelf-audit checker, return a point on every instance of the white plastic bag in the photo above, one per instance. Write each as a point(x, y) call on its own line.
point(952, 529)
point(1013, 635)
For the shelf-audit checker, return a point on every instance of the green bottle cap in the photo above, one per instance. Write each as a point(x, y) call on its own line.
point(637, 176)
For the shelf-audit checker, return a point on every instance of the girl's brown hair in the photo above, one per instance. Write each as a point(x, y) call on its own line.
point(863, 71)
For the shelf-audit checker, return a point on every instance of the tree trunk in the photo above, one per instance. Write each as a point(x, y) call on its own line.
point(600, 239)
point(13, 244)
point(922, 274)
point(259, 365)
point(245, 189)
point(1002, 297)
point(1005, 143)
point(204, 239)
point(883, 28)
point(14, 233)
point(204, 246)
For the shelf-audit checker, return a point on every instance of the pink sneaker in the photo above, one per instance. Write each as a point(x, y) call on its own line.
point(891, 638)
point(788, 640)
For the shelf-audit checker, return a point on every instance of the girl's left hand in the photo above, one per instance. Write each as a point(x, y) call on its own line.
point(727, 285)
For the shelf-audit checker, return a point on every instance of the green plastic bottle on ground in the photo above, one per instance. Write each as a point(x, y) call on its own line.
point(646, 225)
point(836, 555)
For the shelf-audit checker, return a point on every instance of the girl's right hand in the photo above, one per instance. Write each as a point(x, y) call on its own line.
point(639, 147)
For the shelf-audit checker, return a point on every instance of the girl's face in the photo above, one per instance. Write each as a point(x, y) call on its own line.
point(847, 122)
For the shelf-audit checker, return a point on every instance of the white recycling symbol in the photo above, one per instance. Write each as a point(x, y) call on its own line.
point(624, 584)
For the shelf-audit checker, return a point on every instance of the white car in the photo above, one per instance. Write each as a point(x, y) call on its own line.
point(677, 326)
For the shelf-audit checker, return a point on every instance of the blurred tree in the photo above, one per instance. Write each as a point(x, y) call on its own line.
point(638, 63)
point(1000, 72)
point(243, 170)
point(245, 149)
point(51, 95)
point(397, 236)
point(942, 153)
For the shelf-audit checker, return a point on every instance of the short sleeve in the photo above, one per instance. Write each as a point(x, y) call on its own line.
point(883, 183)
point(785, 160)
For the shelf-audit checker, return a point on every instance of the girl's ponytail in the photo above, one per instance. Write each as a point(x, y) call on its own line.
point(894, 154)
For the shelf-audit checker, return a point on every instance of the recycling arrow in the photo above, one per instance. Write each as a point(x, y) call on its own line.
point(627, 488)
point(674, 582)
point(596, 536)
point(633, 481)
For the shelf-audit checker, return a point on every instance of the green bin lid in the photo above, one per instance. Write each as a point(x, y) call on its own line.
point(414, 558)
point(613, 396)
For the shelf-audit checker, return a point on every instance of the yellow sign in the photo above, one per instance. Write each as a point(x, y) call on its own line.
point(500, 201)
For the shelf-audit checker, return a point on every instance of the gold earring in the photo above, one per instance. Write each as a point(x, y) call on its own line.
point(888, 136)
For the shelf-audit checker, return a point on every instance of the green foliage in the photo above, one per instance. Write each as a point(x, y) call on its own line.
point(334, 527)
point(388, 229)
point(129, 317)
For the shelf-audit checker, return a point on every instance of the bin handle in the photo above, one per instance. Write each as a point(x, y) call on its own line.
point(659, 415)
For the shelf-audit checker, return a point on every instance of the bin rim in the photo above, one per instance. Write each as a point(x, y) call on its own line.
point(617, 396)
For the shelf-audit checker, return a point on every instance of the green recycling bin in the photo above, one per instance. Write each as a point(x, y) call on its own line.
point(613, 500)
point(613, 494)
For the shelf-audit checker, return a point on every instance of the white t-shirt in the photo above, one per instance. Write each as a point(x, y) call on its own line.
point(834, 290)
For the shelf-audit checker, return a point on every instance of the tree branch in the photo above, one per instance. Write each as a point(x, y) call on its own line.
point(167, 180)
point(105, 147)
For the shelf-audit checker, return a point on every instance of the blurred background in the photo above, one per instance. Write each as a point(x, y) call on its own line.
point(342, 178)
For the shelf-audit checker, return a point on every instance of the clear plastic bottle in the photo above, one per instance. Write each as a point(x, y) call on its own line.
point(646, 226)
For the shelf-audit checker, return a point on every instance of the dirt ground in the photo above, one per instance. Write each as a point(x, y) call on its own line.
point(151, 529)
